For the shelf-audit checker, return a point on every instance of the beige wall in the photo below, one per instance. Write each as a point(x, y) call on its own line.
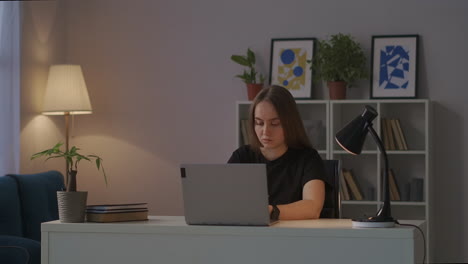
point(162, 87)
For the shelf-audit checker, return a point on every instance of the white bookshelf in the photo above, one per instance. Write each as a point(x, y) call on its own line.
point(414, 116)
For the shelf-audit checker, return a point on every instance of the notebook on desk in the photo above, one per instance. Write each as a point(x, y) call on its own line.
point(225, 194)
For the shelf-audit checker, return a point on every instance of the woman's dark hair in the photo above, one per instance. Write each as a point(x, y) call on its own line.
point(285, 105)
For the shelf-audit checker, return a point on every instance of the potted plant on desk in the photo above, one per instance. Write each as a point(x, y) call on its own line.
point(249, 76)
point(71, 203)
point(339, 61)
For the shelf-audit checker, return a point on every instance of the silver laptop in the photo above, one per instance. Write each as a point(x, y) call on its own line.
point(225, 194)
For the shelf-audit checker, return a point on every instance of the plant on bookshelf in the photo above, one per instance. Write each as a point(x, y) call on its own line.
point(340, 61)
point(249, 77)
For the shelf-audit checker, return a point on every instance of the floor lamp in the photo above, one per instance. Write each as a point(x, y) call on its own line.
point(66, 94)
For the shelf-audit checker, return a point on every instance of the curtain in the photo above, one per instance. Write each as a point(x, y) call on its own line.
point(9, 87)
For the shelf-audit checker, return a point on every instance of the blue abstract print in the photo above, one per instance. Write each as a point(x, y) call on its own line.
point(394, 67)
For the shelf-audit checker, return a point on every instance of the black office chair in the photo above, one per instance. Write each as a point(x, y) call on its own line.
point(331, 206)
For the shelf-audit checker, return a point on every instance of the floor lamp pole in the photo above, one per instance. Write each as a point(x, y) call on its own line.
point(67, 135)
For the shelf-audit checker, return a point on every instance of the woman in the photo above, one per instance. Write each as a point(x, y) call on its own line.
point(296, 175)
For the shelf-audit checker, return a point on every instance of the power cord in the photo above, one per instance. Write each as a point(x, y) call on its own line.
point(422, 233)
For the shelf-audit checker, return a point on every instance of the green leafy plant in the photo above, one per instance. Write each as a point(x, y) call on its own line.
point(339, 59)
point(72, 158)
point(250, 74)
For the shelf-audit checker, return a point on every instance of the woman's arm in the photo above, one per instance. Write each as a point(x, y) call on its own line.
point(313, 196)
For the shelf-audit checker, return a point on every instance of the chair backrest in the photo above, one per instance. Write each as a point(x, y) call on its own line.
point(331, 207)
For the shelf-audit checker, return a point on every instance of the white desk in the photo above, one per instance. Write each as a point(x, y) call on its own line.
point(167, 239)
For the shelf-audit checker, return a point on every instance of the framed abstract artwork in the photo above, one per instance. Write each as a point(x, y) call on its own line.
point(394, 66)
point(289, 67)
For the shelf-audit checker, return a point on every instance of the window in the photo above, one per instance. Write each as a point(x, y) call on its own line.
point(9, 87)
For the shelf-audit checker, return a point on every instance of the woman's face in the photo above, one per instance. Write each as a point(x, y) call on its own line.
point(268, 126)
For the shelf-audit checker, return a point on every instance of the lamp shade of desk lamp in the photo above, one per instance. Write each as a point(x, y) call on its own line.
point(351, 138)
point(66, 94)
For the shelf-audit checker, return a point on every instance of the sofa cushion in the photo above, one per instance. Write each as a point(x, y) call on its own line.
point(19, 250)
point(10, 214)
point(38, 197)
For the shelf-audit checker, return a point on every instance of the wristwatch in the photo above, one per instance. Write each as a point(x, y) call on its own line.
point(275, 212)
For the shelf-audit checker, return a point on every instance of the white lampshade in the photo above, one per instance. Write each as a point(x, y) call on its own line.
point(66, 91)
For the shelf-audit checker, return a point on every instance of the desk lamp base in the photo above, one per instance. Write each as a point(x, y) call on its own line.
point(374, 222)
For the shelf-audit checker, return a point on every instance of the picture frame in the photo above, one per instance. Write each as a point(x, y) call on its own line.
point(289, 67)
point(394, 67)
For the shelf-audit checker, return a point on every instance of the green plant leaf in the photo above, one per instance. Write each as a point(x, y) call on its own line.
point(262, 78)
point(100, 166)
point(81, 157)
point(58, 145)
point(250, 74)
point(98, 163)
point(72, 157)
point(240, 60)
point(53, 157)
point(104, 173)
point(250, 57)
point(39, 154)
point(69, 161)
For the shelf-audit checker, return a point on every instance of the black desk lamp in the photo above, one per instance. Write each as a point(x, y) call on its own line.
point(351, 138)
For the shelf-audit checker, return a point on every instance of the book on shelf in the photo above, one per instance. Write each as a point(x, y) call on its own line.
point(392, 134)
point(111, 207)
point(393, 186)
point(107, 217)
point(344, 188)
point(401, 134)
point(353, 185)
point(391, 137)
point(396, 133)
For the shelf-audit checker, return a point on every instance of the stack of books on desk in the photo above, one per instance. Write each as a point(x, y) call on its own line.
point(105, 213)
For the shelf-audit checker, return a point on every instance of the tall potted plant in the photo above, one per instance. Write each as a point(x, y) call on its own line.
point(339, 61)
point(71, 203)
point(249, 77)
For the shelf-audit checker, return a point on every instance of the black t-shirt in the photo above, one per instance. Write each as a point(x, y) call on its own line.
point(287, 174)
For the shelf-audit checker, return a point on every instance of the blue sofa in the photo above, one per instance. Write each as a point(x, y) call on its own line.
point(25, 202)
